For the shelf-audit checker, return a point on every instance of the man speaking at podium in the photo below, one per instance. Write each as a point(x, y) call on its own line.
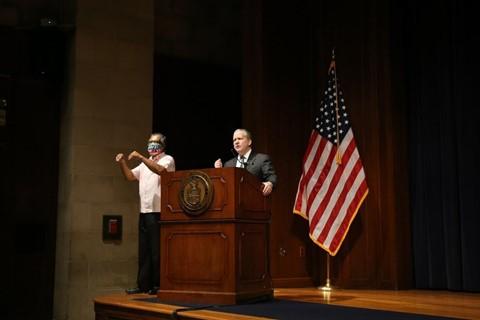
point(258, 164)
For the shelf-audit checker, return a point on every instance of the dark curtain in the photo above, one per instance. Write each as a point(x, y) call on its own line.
point(442, 80)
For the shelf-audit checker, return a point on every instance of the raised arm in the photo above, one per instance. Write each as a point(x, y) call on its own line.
point(152, 165)
point(127, 173)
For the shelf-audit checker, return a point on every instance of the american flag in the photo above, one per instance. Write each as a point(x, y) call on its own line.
point(332, 186)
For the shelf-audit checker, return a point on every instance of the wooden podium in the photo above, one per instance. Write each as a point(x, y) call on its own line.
point(220, 256)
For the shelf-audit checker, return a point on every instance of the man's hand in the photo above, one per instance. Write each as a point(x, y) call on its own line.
point(127, 173)
point(218, 163)
point(267, 188)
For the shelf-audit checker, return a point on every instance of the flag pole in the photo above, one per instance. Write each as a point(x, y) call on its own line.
point(333, 66)
point(331, 135)
point(327, 286)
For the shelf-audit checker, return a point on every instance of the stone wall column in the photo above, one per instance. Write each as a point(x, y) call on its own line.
point(108, 109)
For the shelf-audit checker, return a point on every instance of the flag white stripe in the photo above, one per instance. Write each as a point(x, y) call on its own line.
point(306, 168)
point(320, 165)
point(335, 194)
point(321, 193)
point(312, 153)
point(324, 188)
point(343, 210)
point(347, 172)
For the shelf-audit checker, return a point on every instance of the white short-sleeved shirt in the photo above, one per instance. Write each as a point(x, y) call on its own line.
point(149, 183)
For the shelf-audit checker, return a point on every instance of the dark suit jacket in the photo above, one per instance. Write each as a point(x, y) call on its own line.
point(258, 164)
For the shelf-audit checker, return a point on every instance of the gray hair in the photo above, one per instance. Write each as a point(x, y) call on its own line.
point(160, 138)
point(245, 132)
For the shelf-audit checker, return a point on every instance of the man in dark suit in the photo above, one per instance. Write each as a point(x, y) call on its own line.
point(258, 164)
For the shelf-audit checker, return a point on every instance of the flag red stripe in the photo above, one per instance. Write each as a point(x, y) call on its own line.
point(328, 162)
point(311, 142)
point(340, 201)
point(313, 196)
point(304, 179)
point(332, 184)
point(352, 210)
point(323, 173)
point(309, 172)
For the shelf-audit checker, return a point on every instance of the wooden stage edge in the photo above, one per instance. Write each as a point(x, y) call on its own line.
point(435, 303)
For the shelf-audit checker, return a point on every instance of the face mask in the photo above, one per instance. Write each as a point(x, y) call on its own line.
point(154, 147)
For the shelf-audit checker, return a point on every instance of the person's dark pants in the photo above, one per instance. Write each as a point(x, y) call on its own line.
point(148, 251)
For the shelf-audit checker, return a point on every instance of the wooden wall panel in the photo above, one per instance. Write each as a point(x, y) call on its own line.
point(277, 109)
point(287, 48)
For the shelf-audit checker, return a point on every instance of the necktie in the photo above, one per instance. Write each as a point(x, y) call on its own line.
point(242, 162)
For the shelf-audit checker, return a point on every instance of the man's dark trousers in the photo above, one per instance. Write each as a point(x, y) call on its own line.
point(148, 251)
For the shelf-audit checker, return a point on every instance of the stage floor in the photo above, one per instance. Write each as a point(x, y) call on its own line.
point(433, 303)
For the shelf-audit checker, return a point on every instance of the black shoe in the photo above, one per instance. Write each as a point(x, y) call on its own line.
point(153, 291)
point(133, 290)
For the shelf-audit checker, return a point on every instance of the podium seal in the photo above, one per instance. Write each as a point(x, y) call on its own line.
point(196, 193)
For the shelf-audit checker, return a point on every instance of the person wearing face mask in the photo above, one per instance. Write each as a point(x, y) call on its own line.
point(148, 174)
point(258, 164)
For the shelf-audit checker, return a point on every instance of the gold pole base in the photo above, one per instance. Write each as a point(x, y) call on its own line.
point(325, 288)
point(326, 291)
